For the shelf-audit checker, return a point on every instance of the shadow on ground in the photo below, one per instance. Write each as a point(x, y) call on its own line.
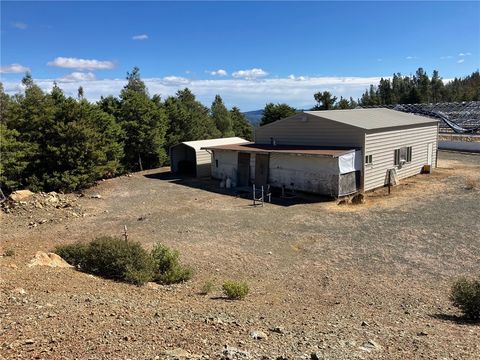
point(207, 184)
point(461, 320)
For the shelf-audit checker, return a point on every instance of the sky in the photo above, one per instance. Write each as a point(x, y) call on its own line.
point(250, 53)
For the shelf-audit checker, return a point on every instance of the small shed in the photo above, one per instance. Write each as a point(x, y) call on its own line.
point(188, 157)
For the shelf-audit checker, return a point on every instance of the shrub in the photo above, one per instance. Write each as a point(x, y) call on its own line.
point(74, 254)
point(466, 296)
point(168, 270)
point(470, 183)
point(207, 288)
point(235, 290)
point(111, 258)
point(9, 252)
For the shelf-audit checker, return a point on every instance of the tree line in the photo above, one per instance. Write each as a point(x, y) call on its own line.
point(49, 141)
point(415, 89)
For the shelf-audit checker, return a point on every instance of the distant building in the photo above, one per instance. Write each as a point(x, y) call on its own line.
point(334, 152)
point(188, 158)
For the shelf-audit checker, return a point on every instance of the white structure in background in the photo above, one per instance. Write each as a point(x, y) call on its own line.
point(188, 158)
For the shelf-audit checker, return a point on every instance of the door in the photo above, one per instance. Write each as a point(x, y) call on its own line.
point(261, 169)
point(429, 154)
point(243, 169)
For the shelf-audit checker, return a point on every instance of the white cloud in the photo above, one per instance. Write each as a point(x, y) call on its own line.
point(460, 61)
point(297, 78)
point(78, 76)
point(81, 64)
point(140, 37)
point(19, 25)
point(410, 57)
point(219, 72)
point(249, 73)
point(248, 94)
point(465, 54)
point(13, 69)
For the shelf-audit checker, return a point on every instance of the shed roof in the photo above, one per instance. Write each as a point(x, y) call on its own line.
point(199, 144)
point(370, 119)
point(283, 149)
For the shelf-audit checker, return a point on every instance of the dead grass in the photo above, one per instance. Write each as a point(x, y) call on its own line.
point(471, 183)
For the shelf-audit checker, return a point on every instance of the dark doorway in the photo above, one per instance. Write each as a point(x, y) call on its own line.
point(243, 172)
point(261, 169)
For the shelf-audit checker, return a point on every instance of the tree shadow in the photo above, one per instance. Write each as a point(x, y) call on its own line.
point(460, 320)
point(208, 184)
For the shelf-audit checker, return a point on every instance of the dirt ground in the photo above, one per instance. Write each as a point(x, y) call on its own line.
point(341, 281)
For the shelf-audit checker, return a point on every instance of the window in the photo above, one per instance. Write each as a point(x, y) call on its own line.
point(216, 163)
point(368, 160)
point(402, 155)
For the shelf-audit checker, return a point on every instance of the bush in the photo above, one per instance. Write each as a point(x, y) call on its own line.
point(111, 258)
point(235, 290)
point(167, 267)
point(207, 288)
point(74, 254)
point(466, 296)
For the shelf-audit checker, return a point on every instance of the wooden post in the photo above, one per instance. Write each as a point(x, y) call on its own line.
point(389, 181)
point(140, 162)
point(125, 233)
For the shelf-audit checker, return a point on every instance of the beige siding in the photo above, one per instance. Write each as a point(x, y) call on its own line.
point(203, 163)
point(309, 130)
point(381, 146)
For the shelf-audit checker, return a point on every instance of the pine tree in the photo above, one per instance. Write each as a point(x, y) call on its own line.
point(241, 126)
point(325, 100)
point(273, 112)
point(221, 117)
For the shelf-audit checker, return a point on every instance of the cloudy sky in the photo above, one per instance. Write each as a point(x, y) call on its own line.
point(250, 53)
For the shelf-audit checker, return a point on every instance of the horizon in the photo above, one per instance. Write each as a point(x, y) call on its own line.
point(250, 59)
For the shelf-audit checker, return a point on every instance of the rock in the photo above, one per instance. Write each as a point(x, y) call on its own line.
point(52, 260)
point(316, 356)
point(20, 291)
point(370, 345)
point(29, 342)
point(258, 335)
point(278, 330)
point(96, 196)
point(152, 285)
point(422, 333)
point(20, 195)
point(178, 354)
point(230, 353)
point(364, 323)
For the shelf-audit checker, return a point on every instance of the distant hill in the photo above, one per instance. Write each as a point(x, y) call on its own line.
point(254, 117)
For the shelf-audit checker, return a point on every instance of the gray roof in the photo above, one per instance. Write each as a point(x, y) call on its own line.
point(370, 119)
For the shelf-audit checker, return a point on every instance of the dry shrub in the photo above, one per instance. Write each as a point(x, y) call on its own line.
point(466, 296)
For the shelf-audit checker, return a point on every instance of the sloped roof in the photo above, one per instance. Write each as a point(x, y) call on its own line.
point(370, 119)
point(198, 144)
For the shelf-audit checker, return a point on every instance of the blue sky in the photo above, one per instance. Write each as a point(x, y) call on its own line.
point(250, 53)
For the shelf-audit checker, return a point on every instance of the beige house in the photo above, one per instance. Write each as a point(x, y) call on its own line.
point(335, 152)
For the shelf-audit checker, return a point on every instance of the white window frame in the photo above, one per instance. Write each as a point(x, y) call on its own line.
point(368, 160)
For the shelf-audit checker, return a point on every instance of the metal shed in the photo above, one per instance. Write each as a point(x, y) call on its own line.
point(188, 158)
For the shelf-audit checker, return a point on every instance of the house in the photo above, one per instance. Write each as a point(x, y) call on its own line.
point(333, 152)
point(188, 158)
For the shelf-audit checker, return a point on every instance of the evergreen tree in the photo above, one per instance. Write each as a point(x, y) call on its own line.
point(325, 100)
point(221, 117)
point(144, 125)
point(241, 127)
point(273, 112)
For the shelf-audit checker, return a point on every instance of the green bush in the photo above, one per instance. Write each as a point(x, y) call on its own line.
point(74, 254)
point(207, 288)
point(235, 290)
point(111, 258)
point(466, 296)
point(168, 270)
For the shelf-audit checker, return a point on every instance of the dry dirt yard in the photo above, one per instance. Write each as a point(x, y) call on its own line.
point(327, 281)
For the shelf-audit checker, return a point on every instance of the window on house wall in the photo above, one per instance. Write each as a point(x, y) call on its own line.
point(368, 160)
point(402, 155)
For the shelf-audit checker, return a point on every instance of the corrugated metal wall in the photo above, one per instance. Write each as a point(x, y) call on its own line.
point(312, 132)
point(227, 165)
point(381, 145)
